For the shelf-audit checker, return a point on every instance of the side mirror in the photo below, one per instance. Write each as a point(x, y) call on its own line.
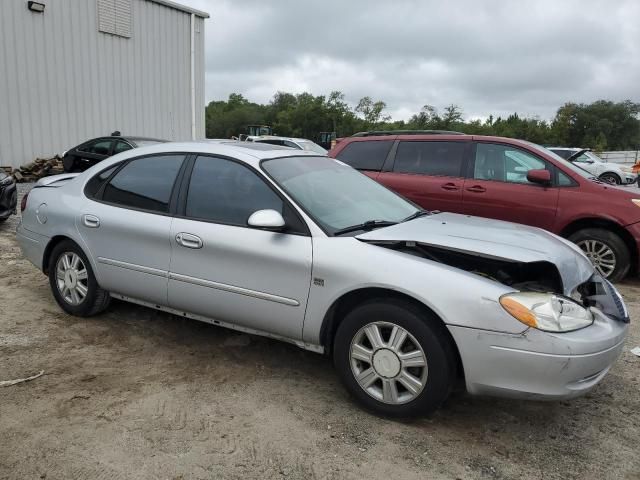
point(267, 220)
point(539, 176)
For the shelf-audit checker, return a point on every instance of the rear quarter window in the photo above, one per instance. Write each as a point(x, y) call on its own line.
point(366, 155)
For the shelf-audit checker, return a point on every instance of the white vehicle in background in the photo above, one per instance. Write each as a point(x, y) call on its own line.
point(589, 161)
point(297, 143)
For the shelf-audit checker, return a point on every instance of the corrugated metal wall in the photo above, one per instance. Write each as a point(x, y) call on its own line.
point(62, 81)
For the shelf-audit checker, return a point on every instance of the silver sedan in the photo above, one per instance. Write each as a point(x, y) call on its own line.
point(304, 249)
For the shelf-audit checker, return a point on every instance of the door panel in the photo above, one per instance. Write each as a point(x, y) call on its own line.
point(528, 204)
point(129, 243)
point(253, 278)
point(223, 269)
point(131, 250)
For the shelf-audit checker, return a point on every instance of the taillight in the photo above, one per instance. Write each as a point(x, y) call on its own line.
point(23, 203)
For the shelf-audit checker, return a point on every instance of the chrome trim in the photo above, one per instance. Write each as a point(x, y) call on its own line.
point(134, 267)
point(233, 289)
point(299, 343)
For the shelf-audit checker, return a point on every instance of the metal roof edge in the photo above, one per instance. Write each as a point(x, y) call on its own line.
point(183, 8)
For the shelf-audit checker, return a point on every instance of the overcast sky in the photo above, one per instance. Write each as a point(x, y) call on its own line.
point(488, 57)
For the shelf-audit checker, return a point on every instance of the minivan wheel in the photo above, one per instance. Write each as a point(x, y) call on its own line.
point(611, 178)
point(73, 283)
point(394, 358)
point(606, 250)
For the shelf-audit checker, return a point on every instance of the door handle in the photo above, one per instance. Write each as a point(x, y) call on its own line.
point(476, 189)
point(189, 240)
point(90, 221)
point(449, 186)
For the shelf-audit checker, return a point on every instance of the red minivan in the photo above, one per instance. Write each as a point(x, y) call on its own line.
point(505, 179)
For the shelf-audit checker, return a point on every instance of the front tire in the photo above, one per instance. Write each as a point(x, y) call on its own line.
point(611, 178)
point(606, 250)
point(394, 358)
point(73, 283)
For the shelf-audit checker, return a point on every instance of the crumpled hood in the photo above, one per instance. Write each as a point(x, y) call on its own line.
point(491, 238)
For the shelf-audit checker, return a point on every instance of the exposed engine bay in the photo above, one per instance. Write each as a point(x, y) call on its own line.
point(538, 276)
point(533, 276)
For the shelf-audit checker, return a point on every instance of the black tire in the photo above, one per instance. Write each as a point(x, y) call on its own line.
point(69, 163)
point(432, 337)
point(612, 178)
point(96, 299)
point(614, 242)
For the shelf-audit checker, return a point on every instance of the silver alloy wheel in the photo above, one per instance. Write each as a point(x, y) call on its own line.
point(388, 363)
point(72, 278)
point(601, 255)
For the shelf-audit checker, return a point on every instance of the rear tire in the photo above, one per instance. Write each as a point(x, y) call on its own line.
point(611, 178)
point(386, 376)
point(606, 250)
point(73, 283)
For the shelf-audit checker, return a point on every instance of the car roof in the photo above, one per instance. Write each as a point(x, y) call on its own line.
point(247, 152)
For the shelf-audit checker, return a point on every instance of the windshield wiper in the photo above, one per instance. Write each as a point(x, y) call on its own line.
point(417, 214)
point(366, 226)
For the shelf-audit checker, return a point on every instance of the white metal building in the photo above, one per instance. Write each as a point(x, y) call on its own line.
point(71, 70)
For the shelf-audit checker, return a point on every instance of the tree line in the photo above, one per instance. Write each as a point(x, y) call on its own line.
point(601, 125)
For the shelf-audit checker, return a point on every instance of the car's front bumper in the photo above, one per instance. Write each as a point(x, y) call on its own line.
point(537, 364)
point(32, 245)
point(8, 200)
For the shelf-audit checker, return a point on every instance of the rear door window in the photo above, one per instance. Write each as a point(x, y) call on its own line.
point(145, 183)
point(366, 155)
point(430, 158)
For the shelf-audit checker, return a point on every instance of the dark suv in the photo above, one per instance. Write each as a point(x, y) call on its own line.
point(505, 179)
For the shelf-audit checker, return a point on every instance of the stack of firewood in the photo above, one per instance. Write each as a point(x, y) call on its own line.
point(41, 167)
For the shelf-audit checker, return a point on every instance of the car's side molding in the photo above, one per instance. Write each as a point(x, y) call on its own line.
point(233, 289)
point(133, 266)
point(201, 282)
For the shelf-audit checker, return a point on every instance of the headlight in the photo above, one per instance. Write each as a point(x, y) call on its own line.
point(636, 201)
point(546, 311)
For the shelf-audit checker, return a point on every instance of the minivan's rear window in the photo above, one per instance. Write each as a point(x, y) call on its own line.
point(430, 158)
point(365, 155)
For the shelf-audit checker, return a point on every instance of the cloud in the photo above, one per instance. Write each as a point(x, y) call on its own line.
point(489, 57)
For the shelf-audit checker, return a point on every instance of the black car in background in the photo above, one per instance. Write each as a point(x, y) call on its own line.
point(87, 154)
point(8, 196)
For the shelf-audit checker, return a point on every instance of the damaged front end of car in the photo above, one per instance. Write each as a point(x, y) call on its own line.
point(542, 301)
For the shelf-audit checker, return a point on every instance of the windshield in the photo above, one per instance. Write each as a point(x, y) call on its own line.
point(335, 195)
point(312, 147)
point(565, 163)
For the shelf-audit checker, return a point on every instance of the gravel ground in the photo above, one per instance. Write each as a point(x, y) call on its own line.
point(135, 393)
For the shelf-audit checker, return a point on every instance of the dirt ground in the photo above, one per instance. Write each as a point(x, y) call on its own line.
point(135, 393)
